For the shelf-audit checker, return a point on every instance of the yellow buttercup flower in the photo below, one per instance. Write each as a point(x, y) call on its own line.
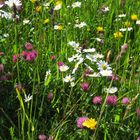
point(33, 1)
point(118, 35)
point(100, 29)
point(46, 21)
point(90, 123)
point(127, 24)
point(38, 8)
point(134, 17)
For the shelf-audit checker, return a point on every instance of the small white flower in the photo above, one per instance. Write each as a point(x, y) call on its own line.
point(28, 98)
point(11, 3)
point(126, 29)
point(98, 39)
point(97, 55)
point(111, 90)
point(89, 50)
point(81, 25)
point(73, 44)
point(138, 22)
point(6, 15)
point(58, 7)
point(105, 9)
point(68, 78)
point(122, 15)
point(46, 5)
point(72, 84)
point(102, 65)
point(76, 4)
point(26, 21)
point(106, 72)
point(5, 35)
point(63, 68)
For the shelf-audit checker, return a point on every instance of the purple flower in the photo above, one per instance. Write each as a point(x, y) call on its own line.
point(80, 121)
point(111, 100)
point(50, 96)
point(16, 57)
point(28, 46)
point(60, 63)
point(1, 67)
point(138, 111)
point(42, 137)
point(97, 100)
point(125, 101)
point(85, 86)
point(138, 138)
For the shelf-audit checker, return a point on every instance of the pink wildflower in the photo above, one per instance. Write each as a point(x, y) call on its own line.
point(97, 100)
point(80, 121)
point(16, 57)
point(28, 46)
point(125, 101)
point(85, 86)
point(111, 100)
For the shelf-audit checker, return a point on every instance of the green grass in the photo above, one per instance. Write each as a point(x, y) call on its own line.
point(20, 120)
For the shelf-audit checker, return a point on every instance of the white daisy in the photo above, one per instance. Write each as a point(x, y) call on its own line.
point(11, 3)
point(28, 98)
point(68, 78)
point(81, 25)
point(76, 4)
point(89, 50)
point(102, 65)
point(63, 68)
point(106, 72)
point(111, 90)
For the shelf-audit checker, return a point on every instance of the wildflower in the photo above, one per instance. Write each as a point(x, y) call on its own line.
point(46, 21)
point(42, 137)
point(50, 96)
point(60, 64)
point(63, 68)
point(126, 29)
point(28, 46)
point(68, 78)
point(100, 29)
point(76, 4)
point(127, 24)
point(138, 22)
point(5, 35)
point(104, 9)
point(111, 90)
point(13, 3)
point(28, 98)
point(85, 86)
point(1, 4)
point(58, 5)
point(138, 112)
point(38, 8)
point(25, 21)
point(102, 65)
point(33, 1)
point(80, 121)
point(73, 44)
point(111, 100)
point(58, 27)
point(97, 100)
point(6, 15)
point(118, 35)
point(90, 123)
point(89, 50)
point(81, 25)
point(53, 57)
point(124, 48)
point(16, 57)
point(1, 67)
point(122, 15)
point(30, 56)
point(138, 138)
point(134, 17)
point(125, 101)
point(105, 72)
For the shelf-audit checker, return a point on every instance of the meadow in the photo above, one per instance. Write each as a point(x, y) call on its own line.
point(70, 70)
